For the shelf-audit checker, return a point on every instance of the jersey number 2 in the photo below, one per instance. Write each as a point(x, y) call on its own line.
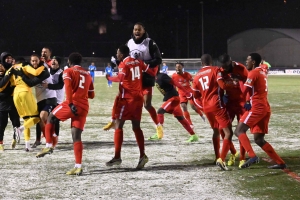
point(135, 72)
point(81, 81)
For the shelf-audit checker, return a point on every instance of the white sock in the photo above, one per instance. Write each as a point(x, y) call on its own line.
point(27, 144)
point(48, 144)
point(54, 135)
point(21, 128)
point(77, 165)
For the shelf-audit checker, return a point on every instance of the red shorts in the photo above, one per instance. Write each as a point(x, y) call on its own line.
point(129, 109)
point(63, 112)
point(197, 103)
point(147, 90)
point(218, 119)
point(172, 106)
point(258, 121)
point(183, 99)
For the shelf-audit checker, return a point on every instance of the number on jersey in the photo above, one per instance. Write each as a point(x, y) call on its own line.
point(81, 81)
point(204, 82)
point(135, 72)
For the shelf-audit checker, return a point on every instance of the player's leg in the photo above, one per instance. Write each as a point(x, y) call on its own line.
point(15, 121)
point(216, 135)
point(147, 92)
point(183, 104)
point(78, 149)
point(38, 127)
point(197, 108)
point(141, 143)
point(3, 124)
point(111, 124)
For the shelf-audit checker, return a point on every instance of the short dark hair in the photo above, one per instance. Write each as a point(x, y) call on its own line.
point(180, 63)
point(141, 24)
point(36, 55)
point(224, 58)
point(124, 50)
point(256, 57)
point(206, 59)
point(47, 48)
point(75, 58)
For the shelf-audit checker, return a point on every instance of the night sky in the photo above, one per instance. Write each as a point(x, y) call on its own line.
point(68, 26)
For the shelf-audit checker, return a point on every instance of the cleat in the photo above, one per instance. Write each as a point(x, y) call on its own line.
point(203, 118)
point(193, 138)
point(54, 141)
point(221, 164)
point(232, 158)
point(45, 151)
point(143, 160)
point(250, 161)
point(159, 131)
point(75, 171)
point(278, 166)
point(241, 163)
point(35, 144)
point(109, 125)
point(13, 144)
point(1, 147)
point(114, 161)
point(18, 131)
point(154, 137)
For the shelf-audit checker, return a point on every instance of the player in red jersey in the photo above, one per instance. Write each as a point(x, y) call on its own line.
point(257, 115)
point(79, 88)
point(171, 104)
point(129, 103)
point(184, 79)
point(206, 84)
point(234, 98)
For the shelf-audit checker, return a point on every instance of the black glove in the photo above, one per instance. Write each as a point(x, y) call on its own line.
point(73, 109)
point(247, 106)
point(16, 71)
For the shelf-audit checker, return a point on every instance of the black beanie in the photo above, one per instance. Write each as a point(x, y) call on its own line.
point(57, 58)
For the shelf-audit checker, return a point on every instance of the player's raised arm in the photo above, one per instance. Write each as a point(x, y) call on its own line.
point(91, 93)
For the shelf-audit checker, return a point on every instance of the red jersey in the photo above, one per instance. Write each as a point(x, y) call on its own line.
point(81, 84)
point(239, 74)
point(265, 67)
point(206, 83)
point(257, 80)
point(184, 80)
point(131, 85)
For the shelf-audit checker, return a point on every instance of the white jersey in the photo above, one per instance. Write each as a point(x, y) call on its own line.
point(60, 94)
point(139, 51)
point(44, 93)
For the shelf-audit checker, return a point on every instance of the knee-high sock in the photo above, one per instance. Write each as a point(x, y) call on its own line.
point(187, 126)
point(78, 149)
point(49, 130)
point(216, 143)
point(187, 116)
point(242, 152)
point(153, 114)
point(232, 148)
point(139, 136)
point(118, 140)
point(31, 121)
point(272, 153)
point(225, 149)
point(244, 140)
point(27, 134)
point(161, 118)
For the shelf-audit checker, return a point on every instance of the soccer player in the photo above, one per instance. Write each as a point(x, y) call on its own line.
point(257, 115)
point(184, 79)
point(164, 68)
point(129, 103)
point(144, 48)
point(46, 55)
point(78, 88)
point(234, 98)
point(109, 71)
point(92, 69)
point(171, 104)
point(206, 85)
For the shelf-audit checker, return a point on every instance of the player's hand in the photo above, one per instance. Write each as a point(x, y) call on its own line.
point(45, 85)
point(247, 106)
point(225, 98)
point(16, 71)
point(73, 109)
point(113, 60)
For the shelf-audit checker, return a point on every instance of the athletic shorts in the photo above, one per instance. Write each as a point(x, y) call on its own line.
point(147, 90)
point(129, 108)
point(63, 112)
point(43, 106)
point(258, 121)
point(172, 106)
point(218, 119)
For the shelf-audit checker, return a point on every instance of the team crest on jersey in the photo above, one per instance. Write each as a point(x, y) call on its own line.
point(249, 80)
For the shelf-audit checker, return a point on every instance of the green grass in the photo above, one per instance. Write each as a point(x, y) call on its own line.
point(258, 181)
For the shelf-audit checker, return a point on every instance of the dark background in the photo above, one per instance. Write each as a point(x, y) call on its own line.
point(67, 26)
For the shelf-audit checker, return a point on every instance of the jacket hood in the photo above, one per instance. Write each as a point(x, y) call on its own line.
point(3, 57)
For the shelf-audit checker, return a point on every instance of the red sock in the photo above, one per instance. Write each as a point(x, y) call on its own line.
point(225, 148)
point(118, 140)
point(43, 130)
point(49, 130)
point(114, 108)
point(139, 136)
point(232, 148)
point(78, 148)
point(185, 123)
point(244, 140)
point(216, 143)
point(161, 118)
point(153, 114)
point(272, 154)
point(242, 152)
point(187, 116)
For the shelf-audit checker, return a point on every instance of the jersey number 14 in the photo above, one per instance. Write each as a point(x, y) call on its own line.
point(135, 72)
